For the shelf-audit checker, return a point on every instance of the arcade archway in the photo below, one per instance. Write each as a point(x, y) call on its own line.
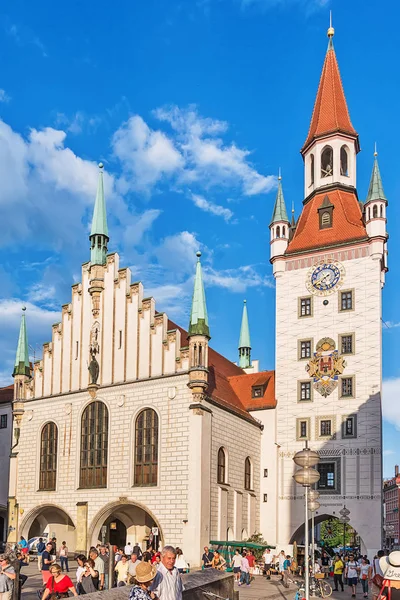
point(120, 523)
point(329, 530)
point(49, 521)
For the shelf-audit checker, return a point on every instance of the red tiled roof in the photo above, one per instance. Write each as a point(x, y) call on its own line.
point(347, 224)
point(243, 384)
point(330, 112)
point(6, 394)
point(221, 372)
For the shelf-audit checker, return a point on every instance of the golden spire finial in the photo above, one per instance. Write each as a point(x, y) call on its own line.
point(331, 31)
point(375, 151)
point(279, 174)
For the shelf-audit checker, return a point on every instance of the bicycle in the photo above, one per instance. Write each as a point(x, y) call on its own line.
point(318, 587)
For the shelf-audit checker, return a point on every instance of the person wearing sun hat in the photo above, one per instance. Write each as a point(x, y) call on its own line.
point(145, 573)
point(390, 566)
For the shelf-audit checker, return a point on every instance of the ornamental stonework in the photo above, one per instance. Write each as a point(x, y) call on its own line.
point(325, 367)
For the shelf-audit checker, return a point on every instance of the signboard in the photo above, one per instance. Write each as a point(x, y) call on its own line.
point(154, 530)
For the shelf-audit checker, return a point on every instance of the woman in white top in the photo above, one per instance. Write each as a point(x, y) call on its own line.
point(180, 562)
point(365, 575)
point(80, 559)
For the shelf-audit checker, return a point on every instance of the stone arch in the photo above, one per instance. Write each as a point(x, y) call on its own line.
point(131, 514)
point(298, 534)
point(51, 519)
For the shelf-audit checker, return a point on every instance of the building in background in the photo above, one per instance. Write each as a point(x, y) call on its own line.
point(391, 496)
point(6, 398)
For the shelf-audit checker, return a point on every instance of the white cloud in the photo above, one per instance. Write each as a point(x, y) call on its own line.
point(309, 5)
point(4, 97)
point(40, 292)
point(388, 452)
point(177, 253)
point(237, 280)
point(390, 325)
point(212, 208)
point(134, 231)
point(390, 401)
point(146, 154)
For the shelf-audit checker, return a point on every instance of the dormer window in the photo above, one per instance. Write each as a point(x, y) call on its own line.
point(325, 212)
point(344, 161)
point(327, 162)
point(257, 391)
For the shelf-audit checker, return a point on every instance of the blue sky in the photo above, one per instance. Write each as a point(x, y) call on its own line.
point(192, 106)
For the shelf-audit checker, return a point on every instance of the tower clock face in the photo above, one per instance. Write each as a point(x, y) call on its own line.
point(325, 278)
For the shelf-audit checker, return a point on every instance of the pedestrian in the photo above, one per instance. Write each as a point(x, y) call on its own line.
point(40, 547)
point(286, 568)
point(377, 575)
point(23, 562)
point(81, 560)
point(58, 584)
point(145, 574)
point(352, 574)
point(244, 570)
point(180, 562)
point(325, 561)
point(157, 562)
point(99, 566)
point(146, 556)
point(338, 567)
point(252, 562)
point(128, 549)
point(7, 578)
point(218, 562)
point(90, 578)
point(47, 561)
point(365, 575)
point(281, 560)
point(121, 569)
point(63, 554)
point(207, 558)
point(137, 550)
point(267, 558)
point(167, 584)
point(105, 557)
point(53, 542)
point(133, 563)
point(235, 565)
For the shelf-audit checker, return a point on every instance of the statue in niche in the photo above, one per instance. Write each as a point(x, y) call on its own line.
point(94, 349)
point(93, 368)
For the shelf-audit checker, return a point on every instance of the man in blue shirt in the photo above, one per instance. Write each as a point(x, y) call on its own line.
point(40, 547)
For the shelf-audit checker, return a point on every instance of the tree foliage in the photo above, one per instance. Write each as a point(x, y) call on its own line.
point(256, 538)
point(332, 533)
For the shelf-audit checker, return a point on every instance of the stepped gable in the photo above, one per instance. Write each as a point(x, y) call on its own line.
point(6, 394)
point(221, 370)
point(243, 387)
point(347, 223)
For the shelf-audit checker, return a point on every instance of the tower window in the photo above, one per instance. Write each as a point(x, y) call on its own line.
point(120, 339)
point(381, 211)
point(346, 300)
point(305, 391)
point(344, 162)
point(346, 344)
point(369, 214)
point(312, 167)
point(327, 162)
point(325, 427)
point(374, 211)
point(347, 387)
point(221, 466)
point(278, 232)
point(303, 429)
point(3, 421)
point(283, 231)
point(349, 427)
point(305, 309)
point(305, 349)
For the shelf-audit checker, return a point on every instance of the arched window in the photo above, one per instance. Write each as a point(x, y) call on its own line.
point(312, 169)
point(94, 446)
point(327, 162)
point(247, 474)
point(326, 219)
point(278, 232)
point(374, 211)
point(381, 211)
point(146, 448)
point(221, 468)
point(48, 457)
point(344, 161)
point(283, 231)
point(369, 214)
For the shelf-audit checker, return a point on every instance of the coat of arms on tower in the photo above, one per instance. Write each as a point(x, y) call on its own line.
point(325, 367)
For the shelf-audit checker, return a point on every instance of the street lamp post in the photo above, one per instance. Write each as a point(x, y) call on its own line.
point(313, 506)
point(306, 476)
point(344, 519)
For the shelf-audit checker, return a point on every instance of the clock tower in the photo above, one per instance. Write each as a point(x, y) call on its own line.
point(329, 268)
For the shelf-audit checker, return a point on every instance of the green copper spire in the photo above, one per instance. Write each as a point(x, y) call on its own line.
point(99, 232)
point(198, 315)
point(244, 340)
point(279, 213)
point(21, 366)
point(375, 191)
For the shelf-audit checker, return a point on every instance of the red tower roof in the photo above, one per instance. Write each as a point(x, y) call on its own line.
point(330, 112)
